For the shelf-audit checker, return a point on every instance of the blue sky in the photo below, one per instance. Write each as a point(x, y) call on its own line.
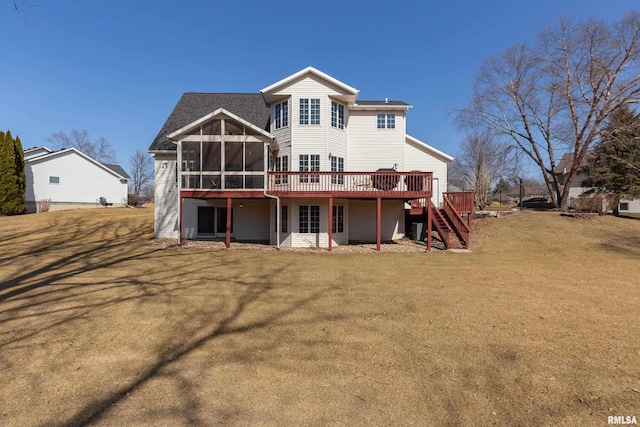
point(117, 68)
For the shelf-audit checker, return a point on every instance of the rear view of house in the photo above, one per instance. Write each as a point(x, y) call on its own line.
point(303, 163)
point(69, 179)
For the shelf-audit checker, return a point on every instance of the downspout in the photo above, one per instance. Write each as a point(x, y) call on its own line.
point(270, 196)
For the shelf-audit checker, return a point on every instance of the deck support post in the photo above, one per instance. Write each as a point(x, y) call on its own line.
point(330, 226)
point(180, 222)
point(228, 237)
point(378, 220)
point(429, 224)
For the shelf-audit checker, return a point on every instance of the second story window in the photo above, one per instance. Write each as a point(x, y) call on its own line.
point(337, 165)
point(309, 111)
point(386, 121)
point(337, 115)
point(309, 163)
point(282, 115)
point(282, 165)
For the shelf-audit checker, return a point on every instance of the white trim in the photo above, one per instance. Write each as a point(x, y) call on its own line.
point(209, 116)
point(310, 70)
point(429, 148)
point(380, 107)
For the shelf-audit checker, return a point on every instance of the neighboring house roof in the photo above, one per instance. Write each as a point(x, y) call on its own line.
point(118, 169)
point(193, 106)
point(565, 163)
point(54, 154)
point(36, 151)
point(426, 147)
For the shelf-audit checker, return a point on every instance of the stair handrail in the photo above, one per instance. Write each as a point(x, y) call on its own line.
point(444, 234)
point(456, 220)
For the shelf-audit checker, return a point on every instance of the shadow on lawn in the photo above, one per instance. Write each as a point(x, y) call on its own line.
point(60, 279)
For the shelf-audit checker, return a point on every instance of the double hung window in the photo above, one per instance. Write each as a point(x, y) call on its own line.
point(282, 165)
point(282, 115)
point(386, 121)
point(337, 165)
point(311, 163)
point(337, 115)
point(309, 111)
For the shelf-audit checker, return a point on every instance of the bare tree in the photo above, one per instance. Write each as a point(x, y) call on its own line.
point(141, 171)
point(554, 97)
point(481, 161)
point(100, 150)
point(149, 192)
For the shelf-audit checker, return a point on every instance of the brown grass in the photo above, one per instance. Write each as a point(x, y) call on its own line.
point(99, 325)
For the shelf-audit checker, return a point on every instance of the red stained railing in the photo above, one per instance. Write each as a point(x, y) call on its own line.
point(461, 227)
point(405, 185)
point(461, 201)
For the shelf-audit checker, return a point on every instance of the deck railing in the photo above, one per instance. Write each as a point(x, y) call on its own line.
point(462, 201)
point(462, 228)
point(352, 184)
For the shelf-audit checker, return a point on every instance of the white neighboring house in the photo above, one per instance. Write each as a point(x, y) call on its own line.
point(301, 163)
point(576, 190)
point(71, 179)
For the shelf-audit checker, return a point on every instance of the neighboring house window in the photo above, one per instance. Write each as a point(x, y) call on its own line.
point(311, 163)
point(337, 165)
point(624, 206)
point(282, 115)
point(337, 225)
point(386, 121)
point(282, 165)
point(309, 219)
point(310, 111)
point(284, 216)
point(337, 115)
point(54, 180)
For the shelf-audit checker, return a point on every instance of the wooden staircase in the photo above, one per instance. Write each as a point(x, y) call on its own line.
point(448, 221)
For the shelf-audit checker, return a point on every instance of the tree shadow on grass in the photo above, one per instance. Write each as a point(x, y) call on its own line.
point(58, 281)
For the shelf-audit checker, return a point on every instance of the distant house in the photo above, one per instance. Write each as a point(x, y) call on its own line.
point(71, 179)
point(576, 190)
point(302, 163)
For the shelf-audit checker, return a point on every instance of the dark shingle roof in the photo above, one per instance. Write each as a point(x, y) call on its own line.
point(381, 103)
point(193, 106)
point(118, 169)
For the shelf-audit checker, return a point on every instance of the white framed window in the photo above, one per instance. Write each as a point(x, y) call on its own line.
point(386, 121)
point(337, 165)
point(54, 180)
point(311, 163)
point(282, 115)
point(309, 111)
point(284, 217)
point(337, 225)
point(282, 165)
point(337, 115)
point(308, 219)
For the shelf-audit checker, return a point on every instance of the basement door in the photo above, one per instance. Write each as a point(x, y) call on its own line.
point(212, 221)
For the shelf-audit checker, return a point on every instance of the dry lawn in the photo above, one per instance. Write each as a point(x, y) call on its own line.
point(100, 325)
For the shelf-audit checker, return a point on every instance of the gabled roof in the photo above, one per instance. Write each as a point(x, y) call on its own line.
point(566, 162)
point(118, 169)
point(36, 151)
point(192, 106)
point(308, 71)
point(112, 169)
point(426, 147)
point(219, 112)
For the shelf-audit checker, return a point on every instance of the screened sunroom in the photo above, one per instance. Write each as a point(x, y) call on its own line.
point(222, 151)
